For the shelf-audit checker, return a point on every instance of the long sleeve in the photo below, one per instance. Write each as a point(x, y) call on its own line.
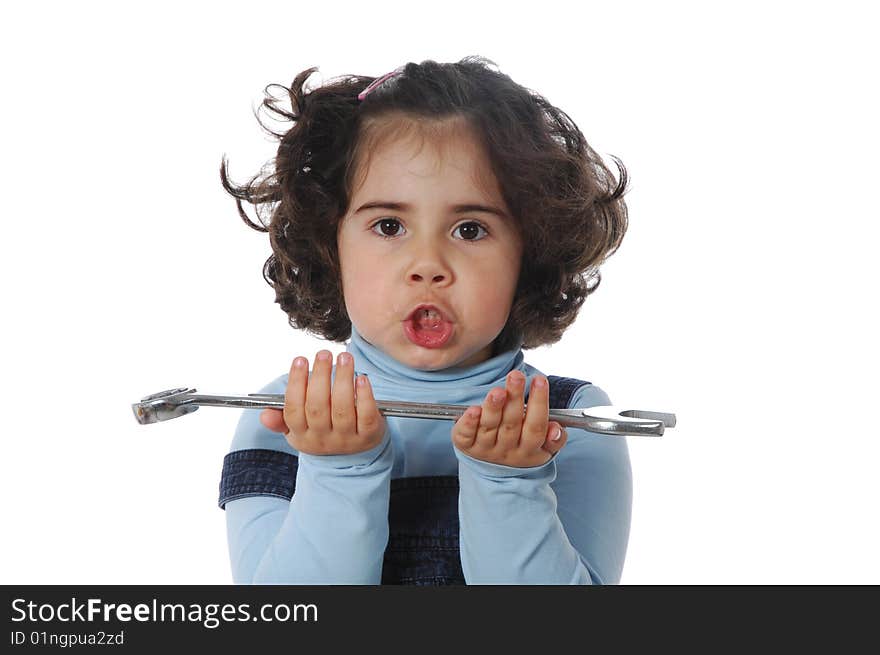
point(565, 522)
point(333, 531)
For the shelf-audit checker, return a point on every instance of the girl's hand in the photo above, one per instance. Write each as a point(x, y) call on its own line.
point(497, 432)
point(318, 422)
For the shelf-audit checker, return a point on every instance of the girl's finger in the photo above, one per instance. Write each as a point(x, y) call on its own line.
point(490, 419)
point(510, 429)
point(318, 393)
point(370, 421)
point(342, 398)
point(295, 397)
point(553, 444)
point(534, 431)
point(274, 420)
point(464, 432)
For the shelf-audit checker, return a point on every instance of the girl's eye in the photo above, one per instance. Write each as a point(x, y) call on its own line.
point(389, 223)
point(470, 230)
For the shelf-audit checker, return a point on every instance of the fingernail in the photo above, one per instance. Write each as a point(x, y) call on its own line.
point(540, 382)
point(344, 359)
point(556, 434)
point(325, 355)
point(299, 362)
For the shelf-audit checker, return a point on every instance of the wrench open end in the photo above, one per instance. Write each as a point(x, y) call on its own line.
point(607, 419)
point(164, 405)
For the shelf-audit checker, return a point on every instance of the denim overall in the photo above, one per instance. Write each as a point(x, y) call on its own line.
point(423, 547)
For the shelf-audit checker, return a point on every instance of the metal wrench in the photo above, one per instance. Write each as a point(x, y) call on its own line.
point(602, 419)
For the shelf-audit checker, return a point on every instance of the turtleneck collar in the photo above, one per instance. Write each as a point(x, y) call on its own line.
point(386, 372)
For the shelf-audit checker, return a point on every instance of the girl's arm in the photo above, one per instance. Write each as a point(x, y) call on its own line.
point(333, 531)
point(564, 522)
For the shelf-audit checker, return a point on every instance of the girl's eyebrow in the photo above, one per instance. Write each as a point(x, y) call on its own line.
point(458, 209)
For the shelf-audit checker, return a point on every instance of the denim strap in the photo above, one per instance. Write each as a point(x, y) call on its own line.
point(562, 390)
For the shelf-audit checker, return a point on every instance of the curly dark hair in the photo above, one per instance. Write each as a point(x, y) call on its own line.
point(565, 202)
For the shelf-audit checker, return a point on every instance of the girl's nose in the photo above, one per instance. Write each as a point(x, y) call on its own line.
point(436, 279)
point(429, 266)
point(431, 269)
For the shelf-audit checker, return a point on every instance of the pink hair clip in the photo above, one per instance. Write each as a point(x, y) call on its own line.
point(378, 81)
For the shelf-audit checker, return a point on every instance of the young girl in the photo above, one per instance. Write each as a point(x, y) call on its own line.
point(443, 218)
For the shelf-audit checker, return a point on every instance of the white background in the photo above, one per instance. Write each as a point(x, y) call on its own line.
point(742, 299)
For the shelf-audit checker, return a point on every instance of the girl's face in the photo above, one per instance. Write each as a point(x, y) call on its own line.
point(414, 234)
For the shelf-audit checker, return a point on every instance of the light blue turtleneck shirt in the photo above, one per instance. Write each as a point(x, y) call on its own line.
point(564, 522)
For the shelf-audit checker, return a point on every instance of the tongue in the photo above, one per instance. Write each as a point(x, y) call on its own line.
point(423, 321)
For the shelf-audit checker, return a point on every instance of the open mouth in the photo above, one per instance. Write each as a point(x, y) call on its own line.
point(428, 327)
